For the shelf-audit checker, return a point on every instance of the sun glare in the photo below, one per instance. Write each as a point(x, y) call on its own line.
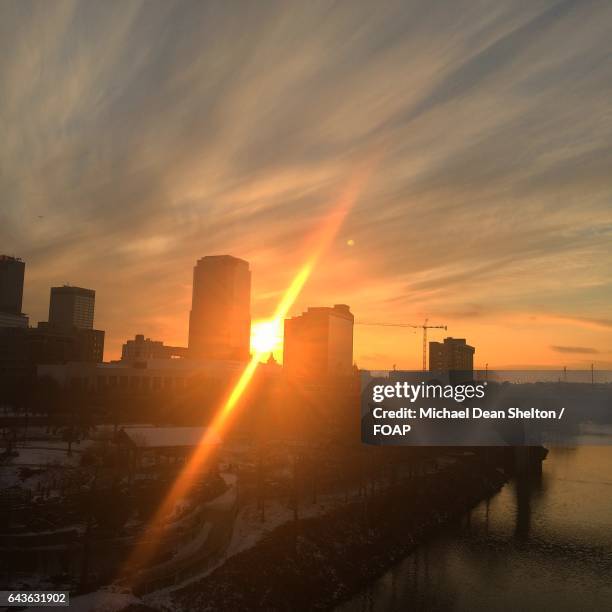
point(266, 336)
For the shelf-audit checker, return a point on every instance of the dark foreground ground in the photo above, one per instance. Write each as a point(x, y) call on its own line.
point(317, 563)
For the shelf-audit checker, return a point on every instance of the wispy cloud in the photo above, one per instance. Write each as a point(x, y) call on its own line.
point(578, 350)
point(147, 134)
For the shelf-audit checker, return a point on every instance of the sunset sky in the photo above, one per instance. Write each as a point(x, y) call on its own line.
point(136, 137)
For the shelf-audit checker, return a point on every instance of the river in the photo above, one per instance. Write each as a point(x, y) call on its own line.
point(544, 542)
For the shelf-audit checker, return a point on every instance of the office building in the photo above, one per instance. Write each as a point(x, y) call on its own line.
point(22, 350)
point(8, 319)
point(319, 343)
point(452, 355)
point(142, 349)
point(220, 318)
point(71, 315)
point(12, 271)
point(53, 345)
point(71, 307)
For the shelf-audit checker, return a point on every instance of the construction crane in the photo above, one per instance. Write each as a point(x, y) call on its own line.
point(424, 327)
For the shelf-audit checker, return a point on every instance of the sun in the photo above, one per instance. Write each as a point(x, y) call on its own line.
point(266, 337)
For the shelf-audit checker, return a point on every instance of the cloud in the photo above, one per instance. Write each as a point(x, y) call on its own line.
point(148, 134)
point(578, 350)
point(587, 322)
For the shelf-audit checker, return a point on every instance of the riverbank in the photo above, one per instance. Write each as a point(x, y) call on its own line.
point(319, 562)
point(544, 542)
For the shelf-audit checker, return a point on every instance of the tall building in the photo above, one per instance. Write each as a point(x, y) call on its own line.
point(452, 355)
point(319, 343)
point(143, 349)
point(71, 307)
point(12, 271)
point(220, 318)
point(71, 319)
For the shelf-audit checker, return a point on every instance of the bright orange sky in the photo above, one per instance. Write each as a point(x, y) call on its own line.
point(136, 139)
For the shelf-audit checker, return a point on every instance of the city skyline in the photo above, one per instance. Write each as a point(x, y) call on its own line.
point(136, 140)
point(264, 334)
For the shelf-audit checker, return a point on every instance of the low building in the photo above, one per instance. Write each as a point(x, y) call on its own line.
point(148, 376)
point(8, 319)
point(452, 355)
point(142, 349)
point(80, 344)
point(141, 377)
point(150, 446)
point(23, 350)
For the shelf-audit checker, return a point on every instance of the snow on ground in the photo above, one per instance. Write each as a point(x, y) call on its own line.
point(194, 545)
point(226, 500)
point(40, 456)
point(46, 458)
point(104, 600)
point(248, 530)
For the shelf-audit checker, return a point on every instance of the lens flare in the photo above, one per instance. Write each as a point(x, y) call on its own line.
point(147, 545)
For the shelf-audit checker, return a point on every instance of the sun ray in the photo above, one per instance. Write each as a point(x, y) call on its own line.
point(145, 548)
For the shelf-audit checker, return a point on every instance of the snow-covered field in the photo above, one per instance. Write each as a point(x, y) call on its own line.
point(45, 458)
point(248, 530)
point(104, 600)
point(50, 458)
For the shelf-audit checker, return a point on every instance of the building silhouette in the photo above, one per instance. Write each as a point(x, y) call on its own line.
point(12, 271)
point(220, 318)
point(71, 307)
point(150, 375)
point(142, 349)
point(68, 336)
point(452, 355)
point(319, 343)
point(23, 349)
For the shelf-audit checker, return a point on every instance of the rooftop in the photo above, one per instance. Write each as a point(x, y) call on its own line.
point(168, 437)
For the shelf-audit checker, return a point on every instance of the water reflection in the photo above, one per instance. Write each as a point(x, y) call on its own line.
point(544, 541)
point(528, 486)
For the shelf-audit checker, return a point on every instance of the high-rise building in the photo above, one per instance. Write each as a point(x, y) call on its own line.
point(71, 315)
point(71, 307)
point(220, 318)
point(319, 343)
point(12, 270)
point(452, 355)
